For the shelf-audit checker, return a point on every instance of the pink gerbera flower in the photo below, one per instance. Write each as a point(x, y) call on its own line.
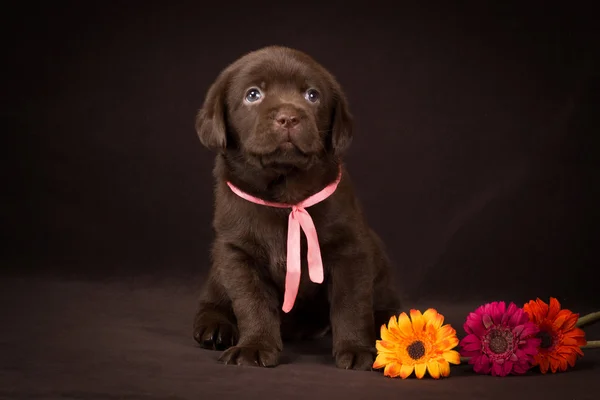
point(500, 340)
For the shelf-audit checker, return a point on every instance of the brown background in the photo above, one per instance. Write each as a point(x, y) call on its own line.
point(475, 155)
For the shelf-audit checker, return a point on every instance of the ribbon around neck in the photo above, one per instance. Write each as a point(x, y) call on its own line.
point(299, 219)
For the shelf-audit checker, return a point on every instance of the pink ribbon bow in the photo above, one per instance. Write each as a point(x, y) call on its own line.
point(299, 218)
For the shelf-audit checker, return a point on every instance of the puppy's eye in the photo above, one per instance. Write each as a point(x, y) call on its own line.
point(312, 95)
point(253, 95)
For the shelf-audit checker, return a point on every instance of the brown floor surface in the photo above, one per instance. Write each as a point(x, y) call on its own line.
point(108, 340)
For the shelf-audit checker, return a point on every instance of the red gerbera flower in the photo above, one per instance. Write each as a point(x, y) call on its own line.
point(561, 340)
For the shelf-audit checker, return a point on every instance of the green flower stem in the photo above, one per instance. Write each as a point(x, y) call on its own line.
point(592, 344)
point(588, 319)
point(464, 360)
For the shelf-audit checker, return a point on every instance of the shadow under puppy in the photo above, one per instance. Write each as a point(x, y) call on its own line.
point(279, 123)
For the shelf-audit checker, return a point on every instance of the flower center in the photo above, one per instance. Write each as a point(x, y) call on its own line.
point(546, 339)
point(498, 343)
point(416, 350)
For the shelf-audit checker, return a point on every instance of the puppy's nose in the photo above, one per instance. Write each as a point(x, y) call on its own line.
point(287, 120)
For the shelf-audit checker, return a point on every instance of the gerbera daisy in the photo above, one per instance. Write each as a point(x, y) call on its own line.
point(419, 343)
point(500, 340)
point(560, 339)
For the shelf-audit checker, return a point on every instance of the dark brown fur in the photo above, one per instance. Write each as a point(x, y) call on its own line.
point(240, 305)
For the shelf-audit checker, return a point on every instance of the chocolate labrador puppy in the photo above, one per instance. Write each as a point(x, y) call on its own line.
point(279, 123)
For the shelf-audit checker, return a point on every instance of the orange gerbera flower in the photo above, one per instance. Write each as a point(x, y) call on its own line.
point(561, 340)
point(417, 344)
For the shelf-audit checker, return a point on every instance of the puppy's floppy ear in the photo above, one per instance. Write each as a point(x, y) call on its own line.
point(342, 129)
point(210, 120)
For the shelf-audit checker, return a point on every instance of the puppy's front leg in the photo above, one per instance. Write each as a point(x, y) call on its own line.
point(255, 305)
point(351, 316)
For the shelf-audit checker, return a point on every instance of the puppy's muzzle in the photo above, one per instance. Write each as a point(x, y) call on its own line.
point(288, 122)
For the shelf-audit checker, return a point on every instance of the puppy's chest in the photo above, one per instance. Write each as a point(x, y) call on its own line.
point(271, 232)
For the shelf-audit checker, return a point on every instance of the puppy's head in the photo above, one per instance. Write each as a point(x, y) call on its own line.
point(276, 108)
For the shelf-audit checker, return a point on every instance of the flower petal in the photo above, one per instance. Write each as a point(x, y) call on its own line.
point(406, 370)
point(444, 367)
point(543, 308)
point(433, 318)
point(498, 310)
point(553, 308)
point(554, 362)
point(570, 341)
point(471, 343)
point(452, 356)
point(392, 370)
point(482, 365)
point(394, 328)
point(470, 354)
point(561, 318)
point(444, 332)
point(434, 369)
point(487, 309)
point(508, 314)
point(565, 351)
point(529, 329)
point(385, 334)
point(417, 319)
point(517, 316)
point(576, 332)
point(487, 321)
point(523, 317)
point(474, 325)
point(405, 325)
point(520, 368)
point(382, 360)
point(518, 329)
point(570, 322)
point(530, 347)
point(448, 343)
point(533, 311)
point(544, 364)
point(497, 369)
point(384, 345)
point(507, 367)
point(430, 314)
point(420, 370)
point(563, 364)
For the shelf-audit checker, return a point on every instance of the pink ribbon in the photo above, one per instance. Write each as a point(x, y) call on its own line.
point(298, 218)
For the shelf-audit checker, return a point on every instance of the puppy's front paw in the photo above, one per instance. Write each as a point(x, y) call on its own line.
point(215, 333)
point(251, 355)
point(357, 358)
